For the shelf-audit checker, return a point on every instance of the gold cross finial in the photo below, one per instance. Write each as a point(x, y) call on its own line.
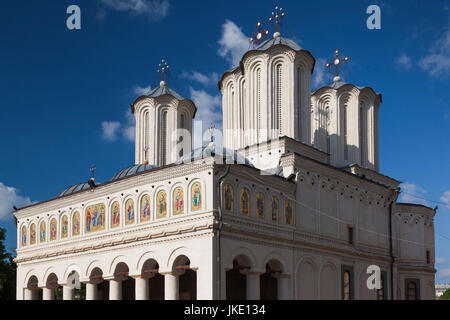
point(163, 70)
point(336, 66)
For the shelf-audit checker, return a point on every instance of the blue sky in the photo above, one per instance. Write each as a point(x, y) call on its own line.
point(65, 95)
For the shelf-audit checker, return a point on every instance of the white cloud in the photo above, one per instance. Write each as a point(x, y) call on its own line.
point(201, 78)
point(129, 131)
point(440, 260)
point(153, 9)
point(233, 43)
point(10, 197)
point(208, 106)
point(437, 61)
point(142, 91)
point(404, 61)
point(412, 193)
point(446, 198)
point(319, 76)
point(110, 129)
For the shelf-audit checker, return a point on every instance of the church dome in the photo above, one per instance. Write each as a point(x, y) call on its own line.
point(131, 171)
point(75, 188)
point(211, 150)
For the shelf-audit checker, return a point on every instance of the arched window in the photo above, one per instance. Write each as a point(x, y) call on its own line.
point(381, 292)
point(343, 105)
point(258, 102)
point(361, 135)
point(412, 290)
point(347, 285)
point(146, 135)
point(323, 116)
point(242, 111)
point(278, 99)
point(181, 126)
point(163, 138)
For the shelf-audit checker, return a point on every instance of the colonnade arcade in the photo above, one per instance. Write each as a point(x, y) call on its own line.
point(242, 282)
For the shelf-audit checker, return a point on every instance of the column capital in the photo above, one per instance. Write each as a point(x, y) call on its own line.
point(175, 273)
point(251, 272)
point(281, 276)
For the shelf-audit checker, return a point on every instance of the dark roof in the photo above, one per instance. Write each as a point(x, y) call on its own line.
point(163, 90)
point(132, 170)
point(219, 153)
point(273, 41)
point(278, 40)
point(75, 188)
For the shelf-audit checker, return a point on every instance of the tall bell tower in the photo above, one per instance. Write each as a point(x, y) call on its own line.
point(268, 95)
point(163, 124)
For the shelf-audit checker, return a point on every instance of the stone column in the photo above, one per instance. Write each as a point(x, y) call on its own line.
point(30, 294)
point(68, 293)
point(206, 283)
point(283, 287)
point(171, 286)
point(141, 287)
point(91, 291)
point(48, 294)
point(115, 289)
point(253, 285)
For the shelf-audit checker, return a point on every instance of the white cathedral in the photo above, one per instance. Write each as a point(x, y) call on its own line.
point(293, 206)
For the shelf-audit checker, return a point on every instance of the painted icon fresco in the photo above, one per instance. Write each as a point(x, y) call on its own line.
point(42, 232)
point(33, 234)
point(115, 215)
point(245, 201)
point(53, 230)
point(24, 236)
point(288, 212)
point(274, 209)
point(161, 204)
point(76, 224)
point(228, 196)
point(129, 212)
point(178, 201)
point(95, 218)
point(260, 205)
point(145, 208)
point(64, 227)
point(196, 192)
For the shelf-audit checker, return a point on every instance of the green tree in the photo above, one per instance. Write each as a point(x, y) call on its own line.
point(445, 296)
point(7, 271)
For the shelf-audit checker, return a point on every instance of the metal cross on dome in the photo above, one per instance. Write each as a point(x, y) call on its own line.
point(277, 18)
point(336, 66)
point(93, 168)
point(260, 34)
point(163, 69)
